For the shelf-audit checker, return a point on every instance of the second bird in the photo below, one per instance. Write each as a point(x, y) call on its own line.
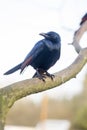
point(43, 55)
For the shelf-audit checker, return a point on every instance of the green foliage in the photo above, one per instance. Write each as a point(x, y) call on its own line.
point(80, 119)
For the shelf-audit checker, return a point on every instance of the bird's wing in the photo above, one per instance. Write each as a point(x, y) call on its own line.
point(36, 50)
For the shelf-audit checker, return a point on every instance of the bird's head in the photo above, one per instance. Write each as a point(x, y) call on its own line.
point(52, 36)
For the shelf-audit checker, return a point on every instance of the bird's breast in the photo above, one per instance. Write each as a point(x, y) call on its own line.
point(52, 46)
point(46, 59)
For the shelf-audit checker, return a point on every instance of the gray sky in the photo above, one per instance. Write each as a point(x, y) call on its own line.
point(20, 23)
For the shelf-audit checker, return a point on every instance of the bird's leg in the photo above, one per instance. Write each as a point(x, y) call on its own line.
point(39, 74)
point(35, 75)
point(49, 75)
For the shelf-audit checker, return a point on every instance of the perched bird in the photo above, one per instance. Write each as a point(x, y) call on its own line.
point(84, 18)
point(43, 55)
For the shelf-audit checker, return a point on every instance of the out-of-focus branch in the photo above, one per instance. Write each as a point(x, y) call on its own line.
point(78, 35)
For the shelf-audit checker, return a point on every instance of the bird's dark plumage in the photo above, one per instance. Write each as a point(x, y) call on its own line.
point(43, 55)
point(84, 18)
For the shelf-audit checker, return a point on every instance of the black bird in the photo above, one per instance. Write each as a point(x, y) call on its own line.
point(43, 55)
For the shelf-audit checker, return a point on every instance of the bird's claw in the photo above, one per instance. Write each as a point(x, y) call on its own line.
point(42, 76)
point(50, 75)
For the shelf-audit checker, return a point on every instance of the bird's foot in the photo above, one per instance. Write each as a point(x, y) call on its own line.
point(41, 77)
point(50, 75)
point(40, 74)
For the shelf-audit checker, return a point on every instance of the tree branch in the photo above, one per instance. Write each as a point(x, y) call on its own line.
point(78, 35)
point(30, 86)
point(11, 93)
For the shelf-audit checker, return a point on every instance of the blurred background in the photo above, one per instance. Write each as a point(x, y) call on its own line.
point(21, 21)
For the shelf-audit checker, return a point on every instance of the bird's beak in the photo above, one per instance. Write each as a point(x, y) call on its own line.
point(44, 35)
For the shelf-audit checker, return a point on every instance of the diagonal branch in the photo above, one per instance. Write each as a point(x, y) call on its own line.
point(30, 86)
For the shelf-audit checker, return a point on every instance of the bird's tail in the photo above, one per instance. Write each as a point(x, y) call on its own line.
point(17, 67)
